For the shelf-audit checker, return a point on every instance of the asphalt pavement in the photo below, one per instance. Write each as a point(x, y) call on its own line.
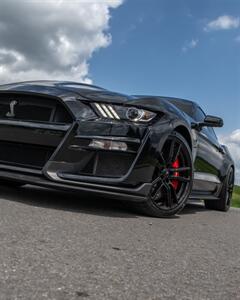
point(56, 245)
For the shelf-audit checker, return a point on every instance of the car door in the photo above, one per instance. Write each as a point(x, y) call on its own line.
point(209, 158)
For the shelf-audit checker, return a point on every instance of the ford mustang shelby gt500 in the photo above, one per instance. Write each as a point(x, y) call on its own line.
point(155, 151)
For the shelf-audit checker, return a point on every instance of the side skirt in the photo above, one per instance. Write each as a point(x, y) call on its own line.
point(199, 196)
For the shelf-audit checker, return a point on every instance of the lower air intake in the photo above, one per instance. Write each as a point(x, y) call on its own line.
point(24, 155)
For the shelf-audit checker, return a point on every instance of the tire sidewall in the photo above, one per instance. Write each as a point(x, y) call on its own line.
point(224, 195)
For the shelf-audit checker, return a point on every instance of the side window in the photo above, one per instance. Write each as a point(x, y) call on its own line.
point(199, 115)
point(207, 131)
point(211, 134)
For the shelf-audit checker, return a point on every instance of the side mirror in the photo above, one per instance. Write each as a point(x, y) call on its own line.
point(212, 121)
point(209, 121)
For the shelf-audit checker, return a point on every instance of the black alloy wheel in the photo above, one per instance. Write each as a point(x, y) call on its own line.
point(224, 203)
point(173, 180)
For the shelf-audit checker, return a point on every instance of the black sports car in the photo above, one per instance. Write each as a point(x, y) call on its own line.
point(155, 151)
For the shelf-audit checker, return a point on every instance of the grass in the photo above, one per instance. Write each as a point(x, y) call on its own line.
point(236, 197)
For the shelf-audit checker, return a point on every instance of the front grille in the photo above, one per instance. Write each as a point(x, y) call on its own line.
point(30, 146)
point(28, 112)
point(24, 155)
point(32, 108)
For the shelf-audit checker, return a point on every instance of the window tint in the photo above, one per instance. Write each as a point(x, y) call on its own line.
point(199, 115)
point(210, 133)
point(185, 106)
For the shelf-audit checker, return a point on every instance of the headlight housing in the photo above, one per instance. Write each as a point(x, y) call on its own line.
point(130, 113)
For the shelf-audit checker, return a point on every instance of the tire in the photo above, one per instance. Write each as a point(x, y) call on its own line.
point(173, 180)
point(13, 184)
point(224, 203)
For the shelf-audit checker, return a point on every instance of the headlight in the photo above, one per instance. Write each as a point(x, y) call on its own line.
point(118, 112)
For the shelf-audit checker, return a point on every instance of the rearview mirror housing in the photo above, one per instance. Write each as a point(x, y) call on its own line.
point(212, 121)
point(209, 121)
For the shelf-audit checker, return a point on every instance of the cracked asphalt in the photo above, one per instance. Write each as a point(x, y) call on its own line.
point(56, 245)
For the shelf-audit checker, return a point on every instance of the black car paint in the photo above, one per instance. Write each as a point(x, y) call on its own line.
point(209, 157)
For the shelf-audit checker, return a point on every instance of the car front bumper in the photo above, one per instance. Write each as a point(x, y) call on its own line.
point(138, 194)
point(59, 156)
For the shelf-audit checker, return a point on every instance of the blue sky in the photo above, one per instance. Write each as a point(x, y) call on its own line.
point(181, 48)
point(164, 47)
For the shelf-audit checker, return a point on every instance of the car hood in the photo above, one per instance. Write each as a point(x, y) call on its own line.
point(147, 102)
point(66, 90)
point(59, 89)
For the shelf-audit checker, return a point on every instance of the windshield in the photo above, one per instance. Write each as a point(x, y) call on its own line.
point(185, 106)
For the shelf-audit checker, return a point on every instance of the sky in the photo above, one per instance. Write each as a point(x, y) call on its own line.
point(181, 48)
point(171, 47)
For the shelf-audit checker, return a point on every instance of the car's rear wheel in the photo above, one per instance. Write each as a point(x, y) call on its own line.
point(224, 203)
point(173, 179)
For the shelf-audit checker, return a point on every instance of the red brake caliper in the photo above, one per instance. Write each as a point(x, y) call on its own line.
point(175, 165)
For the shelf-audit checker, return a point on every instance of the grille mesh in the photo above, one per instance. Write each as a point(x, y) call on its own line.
point(32, 108)
point(24, 150)
point(107, 164)
point(24, 155)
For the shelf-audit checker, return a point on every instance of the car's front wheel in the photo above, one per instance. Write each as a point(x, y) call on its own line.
point(173, 179)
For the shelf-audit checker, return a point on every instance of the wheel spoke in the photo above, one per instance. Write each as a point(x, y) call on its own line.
point(180, 178)
point(171, 152)
point(174, 153)
point(230, 189)
point(158, 193)
point(156, 181)
point(174, 195)
point(179, 169)
point(169, 200)
point(175, 156)
point(230, 183)
point(163, 160)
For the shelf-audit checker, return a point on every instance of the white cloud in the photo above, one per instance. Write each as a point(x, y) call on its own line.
point(190, 45)
point(51, 39)
point(233, 142)
point(223, 23)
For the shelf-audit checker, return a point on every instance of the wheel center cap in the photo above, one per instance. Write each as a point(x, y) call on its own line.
point(165, 172)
